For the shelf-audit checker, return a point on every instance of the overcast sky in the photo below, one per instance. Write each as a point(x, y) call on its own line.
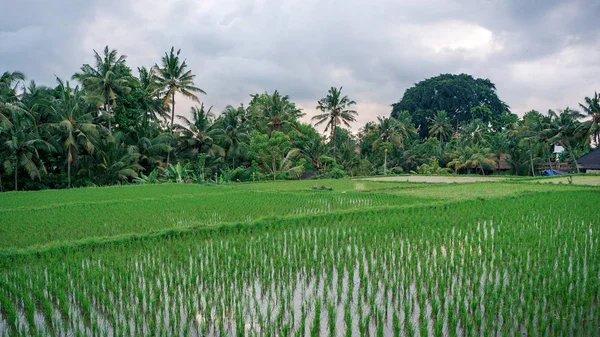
point(541, 55)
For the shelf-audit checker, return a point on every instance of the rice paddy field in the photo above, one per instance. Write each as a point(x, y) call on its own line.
point(366, 258)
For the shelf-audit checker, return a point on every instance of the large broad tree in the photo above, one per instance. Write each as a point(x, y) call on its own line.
point(336, 111)
point(174, 77)
point(106, 80)
point(462, 97)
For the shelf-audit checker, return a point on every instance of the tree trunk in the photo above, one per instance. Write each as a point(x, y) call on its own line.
point(333, 139)
point(385, 164)
point(574, 159)
point(531, 160)
point(109, 118)
point(172, 111)
point(69, 169)
point(16, 174)
point(274, 169)
point(172, 126)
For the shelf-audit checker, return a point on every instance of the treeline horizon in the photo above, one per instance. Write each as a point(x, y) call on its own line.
point(107, 126)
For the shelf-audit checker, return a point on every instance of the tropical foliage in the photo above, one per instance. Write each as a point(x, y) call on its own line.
point(109, 126)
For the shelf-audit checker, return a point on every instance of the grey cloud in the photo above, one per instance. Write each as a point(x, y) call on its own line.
point(376, 50)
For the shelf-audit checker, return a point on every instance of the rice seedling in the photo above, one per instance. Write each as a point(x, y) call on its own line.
point(522, 265)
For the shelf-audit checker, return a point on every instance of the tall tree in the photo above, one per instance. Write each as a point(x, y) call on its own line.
point(591, 127)
point(106, 80)
point(455, 94)
point(73, 125)
point(336, 111)
point(174, 77)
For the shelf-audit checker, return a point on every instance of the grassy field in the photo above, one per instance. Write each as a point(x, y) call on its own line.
point(368, 257)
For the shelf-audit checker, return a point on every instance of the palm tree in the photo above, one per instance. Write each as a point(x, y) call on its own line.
point(197, 134)
point(38, 99)
point(440, 127)
point(73, 125)
point(275, 111)
point(312, 150)
point(336, 111)
point(467, 157)
point(22, 144)
point(394, 131)
point(154, 107)
point(480, 158)
point(113, 162)
point(591, 127)
point(8, 96)
point(107, 80)
point(232, 131)
point(173, 77)
point(530, 133)
point(151, 143)
point(563, 128)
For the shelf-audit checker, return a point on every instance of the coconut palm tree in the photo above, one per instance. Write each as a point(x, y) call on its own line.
point(106, 80)
point(198, 133)
point(394, 131)
point(113, 162)
point(73, 125)
point(274, 111)
point(151, 143)
point(467, 157)
point(22, 144)
point(563, 129)
point(232, 131)
point(8, 96)
point(38, 99)
point(312, 150)
point(591, 128)
point(154, 106)
point(173, 77)
point(336, 111)
point(440, 127)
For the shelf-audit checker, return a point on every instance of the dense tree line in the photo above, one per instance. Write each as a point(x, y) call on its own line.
point(111, 126)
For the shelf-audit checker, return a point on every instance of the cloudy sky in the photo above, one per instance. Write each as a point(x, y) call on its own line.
point(541, 54)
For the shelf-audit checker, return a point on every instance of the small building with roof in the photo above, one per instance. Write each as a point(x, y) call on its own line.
point(590, 162)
